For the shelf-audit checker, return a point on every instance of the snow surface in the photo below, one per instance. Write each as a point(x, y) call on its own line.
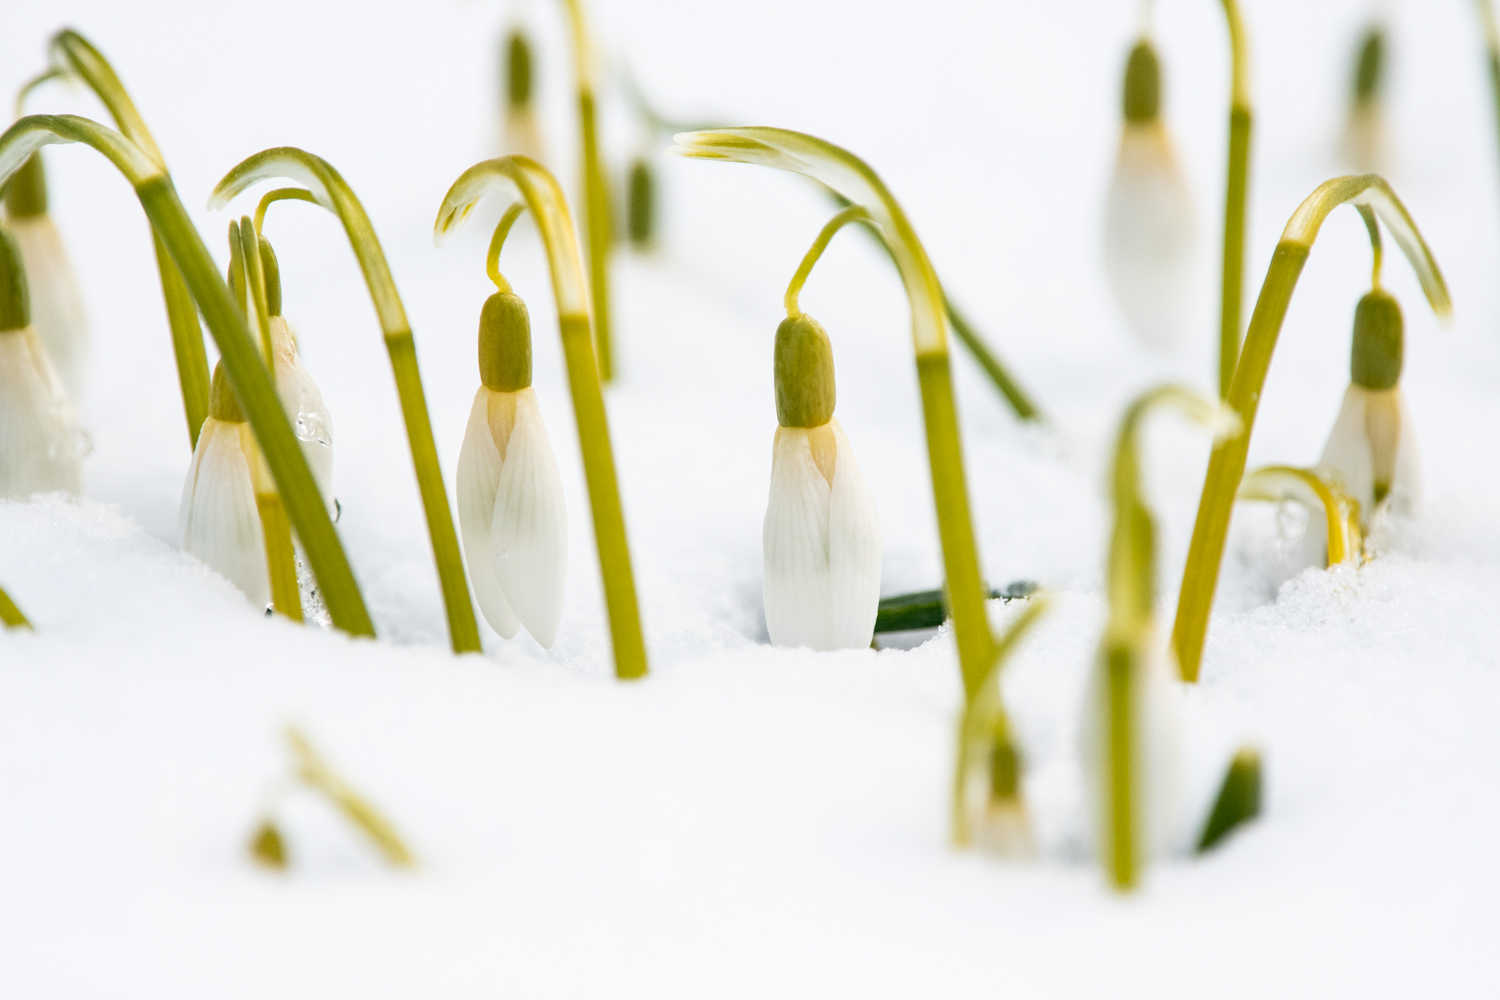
point(752, 821)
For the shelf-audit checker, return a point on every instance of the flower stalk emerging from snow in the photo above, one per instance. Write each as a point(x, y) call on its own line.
point(73, 56)
point(510, 497)
point(596, 209)
point(1131, 732)
point(328, 189)
point(519, 180)
point(238, 350)
point(314, 772)
point(822, 532)
point(853, 179)
point(1227, 463)
point(1336, 536)
point(41, 444)
point(1148, 226)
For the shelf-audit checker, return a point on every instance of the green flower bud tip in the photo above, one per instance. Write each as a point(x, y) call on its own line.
point(267, 846)
point(518, 69)
point(1375, 360)
point(222, 402)
point(1369, 67)
point(1005, 771)
point(1238, 801)
point(505, 343)
point(642, 204)
point(273, 277)
point(1142, 101)
point(15, 295)
point(804, 373)
point(26, 194)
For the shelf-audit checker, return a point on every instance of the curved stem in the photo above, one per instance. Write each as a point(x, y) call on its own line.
point(1233, 278)
point(848, 215)
point(852, 178)
point(10, 615)
point(329, 189)
point(72, 54)
point(518, 179)
point(596, 210)
point(280, 194)
point(242, 361)
point(30, 85)
point(502, 230)
point(1377, 248)
point(1340, 511)
point(1227, 463)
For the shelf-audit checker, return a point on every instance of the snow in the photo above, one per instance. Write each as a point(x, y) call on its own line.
point(752, 821)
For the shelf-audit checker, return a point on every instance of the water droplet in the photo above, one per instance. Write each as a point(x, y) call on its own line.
point(1291, 520)
point(310, 425)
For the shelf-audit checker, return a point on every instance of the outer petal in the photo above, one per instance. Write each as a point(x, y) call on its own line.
point(219, 520)
point(56, 306)
point(1406, 485)
point(853, 550)
point(304, 407)
point(798, 578)
point(41, 445)
point(1346, 456)
point(529, 534)
point(1149, 238)
point(478, 479)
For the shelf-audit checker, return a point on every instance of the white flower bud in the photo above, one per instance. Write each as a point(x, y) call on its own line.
point(512, 516)
point(56, 303)
point(1372, 450)
point(304, 406)
point(219, 520)
point(41, 444)
point(822, 543)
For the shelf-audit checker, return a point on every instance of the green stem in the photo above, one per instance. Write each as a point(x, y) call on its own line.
point(242, 361)
point(330, 190)
point(1492, 51)
point(30, 85)
point(281, 560)
point(1377, 246)
point(73, 54)
point(1120, 798)
point(1232, 291)
point(497, 241)
point(11, 615)
point(852, 178)
point(280, 194)
point(1226, 465)
point(596, 210)
point(518, 179)
point(846, 216)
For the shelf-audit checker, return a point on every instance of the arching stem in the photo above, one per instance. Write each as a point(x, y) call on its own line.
point(518, 179)
point(329, 189)
point(280, 194)
point(1226, 465)
point(848, 215)
point(502, 230)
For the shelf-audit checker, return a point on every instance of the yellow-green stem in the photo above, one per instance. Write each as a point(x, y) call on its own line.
point(329, 189)
point(850, 214)
point(280, 194)
point(497, 241)
point(11, 615)
point(596, 212)
point(1120, 717)
point(519, 179)
point(281, 560)
point(1233, 290)
point(1017, 397)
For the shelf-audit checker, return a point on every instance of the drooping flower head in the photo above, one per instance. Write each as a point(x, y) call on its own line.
point(1364, 130)
point(1372, 449)
point(822, 532)
point(511, 512)
point(57, 310)
point(521, 132)
point(1149, 229)
point(41, 444)
point(218, 516)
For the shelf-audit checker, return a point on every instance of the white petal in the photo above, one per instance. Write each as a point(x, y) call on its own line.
point(853, 550)
point(304, 407)
point(478, 479)
point(56, 305)
point(1149, 238)
point(218, 517)
point(529, 535)
point(1346, 456)
point(798, 579)
point(1406, 485)
point(41, 445)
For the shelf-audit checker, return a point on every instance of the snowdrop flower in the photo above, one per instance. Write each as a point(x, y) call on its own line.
point(1372, 449)
point(56, 304)
point(1364, 130)
point(1149, 229)
point(511, 513)
point(822, 532)
point(522, 134)
point(41, 445)
point(218, 517)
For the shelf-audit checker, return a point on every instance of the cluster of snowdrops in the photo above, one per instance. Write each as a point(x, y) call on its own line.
point(258, 502)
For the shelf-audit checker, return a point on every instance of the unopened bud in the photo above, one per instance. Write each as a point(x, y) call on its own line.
point(642, 204)
point(1142, 100)
point(1375, 360)
point(1369, 67)
point(267, 846)
point(505, 343)
point(272, 272)
point(1005, 771)
point(15, 295)
point(222, 402)
point(518, 69)
point(804, 373)
point(26, 194)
